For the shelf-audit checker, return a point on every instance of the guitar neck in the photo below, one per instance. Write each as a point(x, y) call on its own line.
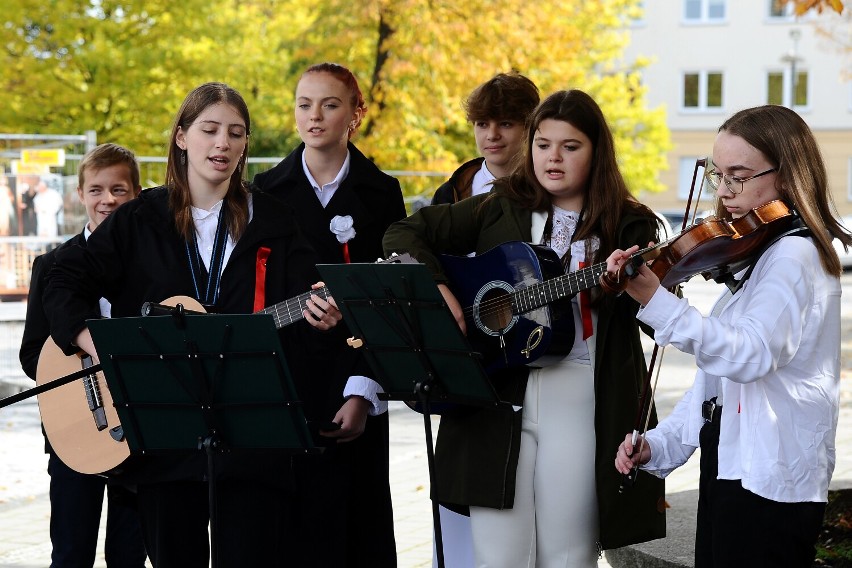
point(541, 294)
point(290, 311)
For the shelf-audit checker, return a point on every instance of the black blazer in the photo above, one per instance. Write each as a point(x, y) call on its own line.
point(36, 325)
point(137, 255)
point(372, 198)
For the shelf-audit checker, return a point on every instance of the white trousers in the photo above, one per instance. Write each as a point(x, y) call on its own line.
point(458, 543)
point(554, 521)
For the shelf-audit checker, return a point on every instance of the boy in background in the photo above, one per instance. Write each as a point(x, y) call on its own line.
point(108, 177)
point(498, 110)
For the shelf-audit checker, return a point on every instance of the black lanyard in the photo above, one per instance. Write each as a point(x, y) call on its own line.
point(201, 278)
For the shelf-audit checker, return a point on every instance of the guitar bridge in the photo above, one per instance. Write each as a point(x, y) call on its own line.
point(93, 397)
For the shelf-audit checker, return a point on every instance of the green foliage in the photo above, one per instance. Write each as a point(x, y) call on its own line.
point(834, 545)
point(122, 69)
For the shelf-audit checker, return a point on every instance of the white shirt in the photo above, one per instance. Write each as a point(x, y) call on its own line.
point(206, 223)
point(103, 304)
point(357, 385)
point(775, 351)
point(481, 182)
point(583, 349)
point(325, 192)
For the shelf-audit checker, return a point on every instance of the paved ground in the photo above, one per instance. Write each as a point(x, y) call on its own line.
point(24, 539)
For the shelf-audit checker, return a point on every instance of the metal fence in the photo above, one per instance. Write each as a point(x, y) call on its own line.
point(16, 261)
point(11, 374)
point(18, 246)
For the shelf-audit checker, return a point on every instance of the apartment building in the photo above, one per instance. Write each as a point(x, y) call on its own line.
point(710, 58)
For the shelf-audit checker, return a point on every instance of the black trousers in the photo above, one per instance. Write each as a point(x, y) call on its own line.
point(341, 512)
point(736, 528)
point(75, 517)
point(175, 517)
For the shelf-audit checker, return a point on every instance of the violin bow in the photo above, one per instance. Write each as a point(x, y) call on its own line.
point(646, 404)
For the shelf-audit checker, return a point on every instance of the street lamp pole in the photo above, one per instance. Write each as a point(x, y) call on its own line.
point(792, 58)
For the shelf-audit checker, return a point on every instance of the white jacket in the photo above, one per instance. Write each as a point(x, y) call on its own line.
point(775, 351)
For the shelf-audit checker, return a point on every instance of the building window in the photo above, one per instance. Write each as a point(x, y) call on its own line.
point(779, 90)
point(849, 184)
point(781, 9)
point(775, 88)
point(702, 90)
point(686, 168)
point(703, 10)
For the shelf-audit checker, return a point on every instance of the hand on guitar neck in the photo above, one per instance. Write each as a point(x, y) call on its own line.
point(321, 314)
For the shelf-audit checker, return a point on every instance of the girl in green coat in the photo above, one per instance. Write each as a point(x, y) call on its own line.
point(538, 482)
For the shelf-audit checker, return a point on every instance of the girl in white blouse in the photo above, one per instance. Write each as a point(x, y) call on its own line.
point(764, 404)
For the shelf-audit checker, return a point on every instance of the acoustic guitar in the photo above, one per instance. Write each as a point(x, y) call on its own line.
point(507, 294)
point(80, 419)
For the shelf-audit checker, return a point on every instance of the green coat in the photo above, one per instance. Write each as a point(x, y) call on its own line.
point(477, 454)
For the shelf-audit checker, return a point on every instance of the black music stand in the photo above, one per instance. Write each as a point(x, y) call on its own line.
point(412, 343)
point(211, 383)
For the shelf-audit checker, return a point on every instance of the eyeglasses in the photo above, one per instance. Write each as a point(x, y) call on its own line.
point(714, 178)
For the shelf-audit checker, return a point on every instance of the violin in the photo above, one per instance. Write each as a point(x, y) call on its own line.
point(713, 247)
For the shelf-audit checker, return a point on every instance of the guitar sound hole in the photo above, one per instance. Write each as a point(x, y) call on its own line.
point(495, 309)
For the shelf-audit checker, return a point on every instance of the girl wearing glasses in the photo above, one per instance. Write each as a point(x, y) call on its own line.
point(764, 404)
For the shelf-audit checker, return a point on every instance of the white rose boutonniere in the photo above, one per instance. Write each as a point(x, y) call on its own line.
point(342, 227)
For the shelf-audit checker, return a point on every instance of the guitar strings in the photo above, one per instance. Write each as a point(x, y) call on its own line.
point(535, 292)
point(533, 295)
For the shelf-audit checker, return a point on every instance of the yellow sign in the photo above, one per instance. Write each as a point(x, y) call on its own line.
point(21, 169)
point(54, 157)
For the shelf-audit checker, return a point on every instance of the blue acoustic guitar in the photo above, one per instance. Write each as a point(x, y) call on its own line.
point(508, 294)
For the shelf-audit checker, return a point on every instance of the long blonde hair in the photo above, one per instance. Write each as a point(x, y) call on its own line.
point(787, 142)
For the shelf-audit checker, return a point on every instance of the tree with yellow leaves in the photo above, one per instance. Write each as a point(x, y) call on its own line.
point(122, 68)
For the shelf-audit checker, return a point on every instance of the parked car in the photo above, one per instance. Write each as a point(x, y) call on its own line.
point(675, 218)
point(845, 256)
point(667, 227)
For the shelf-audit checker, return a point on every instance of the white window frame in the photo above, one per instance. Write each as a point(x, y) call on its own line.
point(849, 180)
point(702, 91)
point(705, 18)
point(786, 87)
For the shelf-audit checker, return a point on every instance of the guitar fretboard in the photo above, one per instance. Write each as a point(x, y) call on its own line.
point(290, 311)
point(541, 294)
